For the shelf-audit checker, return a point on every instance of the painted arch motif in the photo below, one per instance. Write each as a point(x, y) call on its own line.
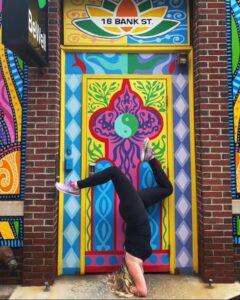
point(118, 127)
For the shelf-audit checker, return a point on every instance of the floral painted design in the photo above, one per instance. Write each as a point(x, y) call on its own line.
point(123, 126)
point(126, 18)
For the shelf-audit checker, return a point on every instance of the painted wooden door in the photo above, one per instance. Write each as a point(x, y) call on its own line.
point(118, 112)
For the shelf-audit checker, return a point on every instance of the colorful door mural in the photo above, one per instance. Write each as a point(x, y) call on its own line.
point(77, 67)
point(111, 47)
point(119, 111)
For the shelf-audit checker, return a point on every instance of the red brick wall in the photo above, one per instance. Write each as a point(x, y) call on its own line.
point(237, 262)
point(216, 251)
point(43, 119)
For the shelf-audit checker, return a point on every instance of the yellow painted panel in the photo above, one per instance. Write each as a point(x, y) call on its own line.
point(6, 231)
point(98, 12)
point(10, 166)
point(113, 29)
point(61, 195)
point(155, 12)
point(236, 118)
point(193, 166)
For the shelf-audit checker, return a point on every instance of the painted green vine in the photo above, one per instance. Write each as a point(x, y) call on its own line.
point(159, 151)
point(99, 95)
point(154, 93)
point(165, 232)
point(95, 150)
point(88, 216)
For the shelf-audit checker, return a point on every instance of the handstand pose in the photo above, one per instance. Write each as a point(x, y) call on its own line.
point(132, 209)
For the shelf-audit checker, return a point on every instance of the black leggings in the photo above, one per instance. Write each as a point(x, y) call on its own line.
point(132, 203)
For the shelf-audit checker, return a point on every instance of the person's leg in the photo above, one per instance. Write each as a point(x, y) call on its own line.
point(133, 212)
point(159, 175)
point(131, 206)
point(151, 196)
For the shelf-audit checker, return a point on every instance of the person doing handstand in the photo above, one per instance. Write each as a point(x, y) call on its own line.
point(132, 208)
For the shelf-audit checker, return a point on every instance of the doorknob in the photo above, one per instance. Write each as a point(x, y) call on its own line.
point(69, 158)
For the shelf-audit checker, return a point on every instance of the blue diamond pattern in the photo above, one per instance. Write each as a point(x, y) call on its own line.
point(183, 232)
point(73, 81)
point(181, 106)
point(73, 130)
point(73, 175)
point(184, 258)
point(182, 155)
point(182, 180)
point(73, 106)
point(183, 196)
point(181, 82)
point(71, 260)
point(76, 156)
point(72, 206)
point(181, 130)
point(71, 233)
point(73, 119)
point(183, 206)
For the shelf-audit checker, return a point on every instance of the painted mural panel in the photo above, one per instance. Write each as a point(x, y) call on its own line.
point(13, 93)
point(11, 231)
point(78, 64)
point(126, 22)
point(236, 229)
point(233, 32)
point(121, 111)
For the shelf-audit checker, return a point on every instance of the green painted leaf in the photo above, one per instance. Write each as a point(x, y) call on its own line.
point(165, 25)
point(160, 150)
point(235, 45)
point(99, 95)
point(42, 3)
point(104, 87)
point(20, 62)
point(238, 225)
point(109, 5)
point(145, 6)
point(95, 151)
point(16, 227)
point(91, 28)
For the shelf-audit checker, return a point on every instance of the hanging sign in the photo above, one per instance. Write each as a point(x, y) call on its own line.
point(125, 22)
point(24, 30)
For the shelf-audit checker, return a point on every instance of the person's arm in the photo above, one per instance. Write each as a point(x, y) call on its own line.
point(135, 269)
point(140, 287)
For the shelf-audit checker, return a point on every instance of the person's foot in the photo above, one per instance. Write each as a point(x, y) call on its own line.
point(147, 152)
point(67, 188)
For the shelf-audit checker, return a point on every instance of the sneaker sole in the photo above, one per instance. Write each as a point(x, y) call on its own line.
point(60, 189)
point(145, 145)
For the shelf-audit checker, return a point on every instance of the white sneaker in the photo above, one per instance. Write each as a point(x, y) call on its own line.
point(67, 188)
point(144, 148)
point(147, 152)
